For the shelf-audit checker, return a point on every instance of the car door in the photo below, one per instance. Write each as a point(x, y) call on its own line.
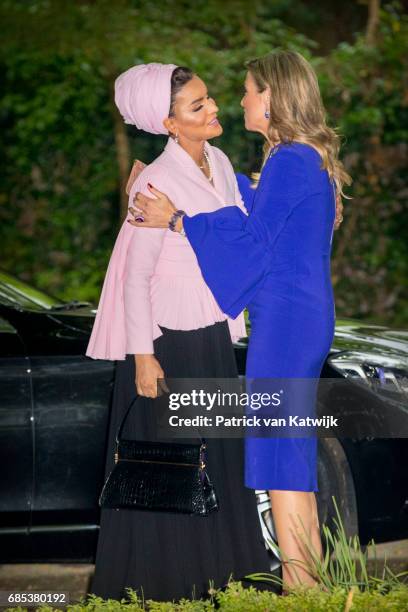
point(71, 410)
point(16, 444)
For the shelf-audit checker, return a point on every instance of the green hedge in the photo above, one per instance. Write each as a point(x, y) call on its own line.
point(238, 599)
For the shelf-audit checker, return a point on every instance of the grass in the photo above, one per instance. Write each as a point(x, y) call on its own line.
point(344, 564)
point(344, 584)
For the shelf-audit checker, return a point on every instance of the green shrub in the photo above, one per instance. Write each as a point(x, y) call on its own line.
point(344, 564)
point(236, 598)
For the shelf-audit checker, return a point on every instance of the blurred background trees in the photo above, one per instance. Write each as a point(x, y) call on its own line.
point(66, 152)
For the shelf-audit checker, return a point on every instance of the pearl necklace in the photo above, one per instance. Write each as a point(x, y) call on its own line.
point(207, 159)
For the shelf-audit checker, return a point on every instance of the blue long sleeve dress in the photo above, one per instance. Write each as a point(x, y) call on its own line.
point(276, 262)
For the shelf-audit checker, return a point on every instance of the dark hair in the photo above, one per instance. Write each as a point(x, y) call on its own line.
point(180, 76)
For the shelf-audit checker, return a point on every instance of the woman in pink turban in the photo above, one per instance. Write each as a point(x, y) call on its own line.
point(157, 318)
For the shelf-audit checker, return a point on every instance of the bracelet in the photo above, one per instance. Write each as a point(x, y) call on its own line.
point(173, 220)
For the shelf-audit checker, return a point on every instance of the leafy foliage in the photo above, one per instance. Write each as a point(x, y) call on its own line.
point(344, 564)
point(236, 598)
point(366, 90)
point(66, 150)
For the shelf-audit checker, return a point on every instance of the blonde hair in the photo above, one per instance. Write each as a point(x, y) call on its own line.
point(296, 109)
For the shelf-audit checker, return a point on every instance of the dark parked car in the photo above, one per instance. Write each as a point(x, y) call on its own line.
point(54, 411)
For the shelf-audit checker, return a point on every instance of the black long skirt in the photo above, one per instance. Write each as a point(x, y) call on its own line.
point(166, 556)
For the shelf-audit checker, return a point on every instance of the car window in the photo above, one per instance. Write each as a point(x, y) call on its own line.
point(18, 294)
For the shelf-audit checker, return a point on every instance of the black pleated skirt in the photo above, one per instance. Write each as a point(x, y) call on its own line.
point(166, 556)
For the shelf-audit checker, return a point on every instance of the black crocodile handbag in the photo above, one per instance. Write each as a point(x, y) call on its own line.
point(159, 476)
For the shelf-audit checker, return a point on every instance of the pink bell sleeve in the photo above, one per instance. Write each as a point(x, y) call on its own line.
point(142, 256)
point(143, 253)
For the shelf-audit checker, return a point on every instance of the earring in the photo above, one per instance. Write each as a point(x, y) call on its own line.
point(267, 113)
point(176, 138)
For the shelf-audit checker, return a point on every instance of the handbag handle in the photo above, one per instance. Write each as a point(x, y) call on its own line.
point(120, 428)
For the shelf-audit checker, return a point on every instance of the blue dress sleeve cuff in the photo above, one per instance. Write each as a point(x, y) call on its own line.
point(232, 264)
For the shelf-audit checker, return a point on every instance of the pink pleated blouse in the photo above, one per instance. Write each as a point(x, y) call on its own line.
point(153, 277)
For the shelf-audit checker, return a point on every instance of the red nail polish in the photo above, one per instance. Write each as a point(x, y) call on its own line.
point(149, 185)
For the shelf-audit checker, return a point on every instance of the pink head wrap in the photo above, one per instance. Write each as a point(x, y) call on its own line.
point(142, 95)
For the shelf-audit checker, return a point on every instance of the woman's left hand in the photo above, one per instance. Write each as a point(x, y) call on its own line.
point(154, 212)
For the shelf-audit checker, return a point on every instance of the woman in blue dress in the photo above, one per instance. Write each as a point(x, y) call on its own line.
point(276, 262)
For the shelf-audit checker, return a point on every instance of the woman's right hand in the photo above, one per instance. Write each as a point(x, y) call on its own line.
point(148, 370)
point(155, 212)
